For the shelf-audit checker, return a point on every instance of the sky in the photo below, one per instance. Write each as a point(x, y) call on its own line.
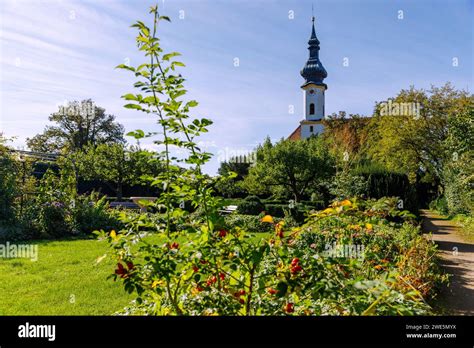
point(59, 50)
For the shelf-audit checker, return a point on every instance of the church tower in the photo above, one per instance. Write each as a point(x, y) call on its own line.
point(314, 88)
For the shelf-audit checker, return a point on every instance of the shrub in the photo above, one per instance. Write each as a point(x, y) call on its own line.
point(8, 187)
point(346, 184)
point(250, 223)
point(313, 205)
point(251, 205)
point(279, 210)
point(275, 201)
point(54, 220)
point(440, 204)
point(90, 213)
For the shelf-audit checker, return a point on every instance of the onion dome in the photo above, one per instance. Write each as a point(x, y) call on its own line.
point(313, 71)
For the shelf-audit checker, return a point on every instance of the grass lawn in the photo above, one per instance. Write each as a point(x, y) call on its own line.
point(65, 270)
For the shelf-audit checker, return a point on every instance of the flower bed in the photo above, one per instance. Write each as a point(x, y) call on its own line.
point(353, 258)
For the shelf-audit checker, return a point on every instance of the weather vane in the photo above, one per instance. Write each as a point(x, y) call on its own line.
point(312, 12)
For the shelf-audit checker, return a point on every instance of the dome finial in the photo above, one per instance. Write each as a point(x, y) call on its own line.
point(313, 71)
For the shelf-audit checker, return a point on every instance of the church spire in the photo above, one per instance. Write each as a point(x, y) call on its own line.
point(313, 71)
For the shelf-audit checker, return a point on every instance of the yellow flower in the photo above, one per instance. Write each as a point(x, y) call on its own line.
point(346, 202)
point(155, 284)
point(328, 210)
point(267, 218)
point(369, 227)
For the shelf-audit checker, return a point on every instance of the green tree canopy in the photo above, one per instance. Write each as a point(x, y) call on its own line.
point(118, 164)
point(78, 124)
point(293, 167)
point(418, 143)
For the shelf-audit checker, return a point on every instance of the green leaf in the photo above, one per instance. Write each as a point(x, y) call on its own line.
point(130, 96)
point(150, 100)
point(137, 134)
point(168, 56)
point(192, 103)
point(124, 66)
point(165, 18)
point(132, 106)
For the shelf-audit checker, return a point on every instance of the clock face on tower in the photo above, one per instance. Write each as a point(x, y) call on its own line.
point(311, 91)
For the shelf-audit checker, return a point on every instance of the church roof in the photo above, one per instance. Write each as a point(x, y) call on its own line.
point(313, 71)
point(296, 135)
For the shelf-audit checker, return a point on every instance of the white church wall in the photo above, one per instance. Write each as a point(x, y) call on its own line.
point(316, 98)
point(306, 130)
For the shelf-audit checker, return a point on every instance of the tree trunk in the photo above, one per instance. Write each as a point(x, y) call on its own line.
point(119, 191)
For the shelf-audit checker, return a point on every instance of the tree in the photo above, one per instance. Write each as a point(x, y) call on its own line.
point(78, 124)
point(293, 167)
point(8, 183)
point(117, 164)
point(232, 186)
point(458, 172)
point(417, 143)
point(346, 136)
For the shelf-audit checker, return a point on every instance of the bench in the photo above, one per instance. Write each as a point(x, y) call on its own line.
point(228, 209)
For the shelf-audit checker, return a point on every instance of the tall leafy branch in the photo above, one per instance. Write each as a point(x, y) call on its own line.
point(164, 87)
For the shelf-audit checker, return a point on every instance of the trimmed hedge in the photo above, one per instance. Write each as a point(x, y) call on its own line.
point(251, 205)
point(384, 183)
point(252, 223)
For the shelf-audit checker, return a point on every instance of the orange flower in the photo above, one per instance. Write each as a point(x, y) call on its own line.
point(267, 218)
point(378, 267)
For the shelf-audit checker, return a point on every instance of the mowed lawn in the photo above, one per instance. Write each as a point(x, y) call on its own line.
point(65, 280)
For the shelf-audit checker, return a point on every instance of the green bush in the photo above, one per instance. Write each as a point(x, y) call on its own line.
point(440, 204)
point(54, 220)
point(458, 189)
point(250, 223)
point(90, 213)
point(251, 205)
point(278, 210)
point(8, 187)
point(377, 182)
point(275, 201)
point(313, 205)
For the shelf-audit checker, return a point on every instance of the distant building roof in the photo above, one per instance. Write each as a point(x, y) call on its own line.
point(296, 135)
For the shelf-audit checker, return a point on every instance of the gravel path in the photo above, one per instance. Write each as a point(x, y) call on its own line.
point(457, 257)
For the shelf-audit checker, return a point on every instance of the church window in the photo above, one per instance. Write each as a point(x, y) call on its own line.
point(311, 109)
point(311, 129)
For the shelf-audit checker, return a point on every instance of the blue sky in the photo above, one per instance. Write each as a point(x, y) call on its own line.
point(52, 51)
